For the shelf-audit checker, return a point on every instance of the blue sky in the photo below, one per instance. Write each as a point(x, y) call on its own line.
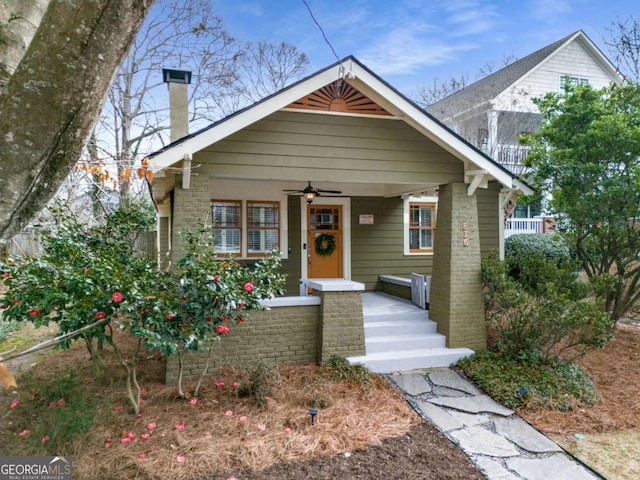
point(409, 42)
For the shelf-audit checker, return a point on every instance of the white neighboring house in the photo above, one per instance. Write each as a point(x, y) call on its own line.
point(493, 112)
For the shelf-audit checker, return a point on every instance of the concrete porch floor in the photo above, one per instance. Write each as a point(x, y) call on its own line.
point(399, 336)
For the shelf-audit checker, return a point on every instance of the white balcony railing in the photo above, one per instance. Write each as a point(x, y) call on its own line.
point(523, 225)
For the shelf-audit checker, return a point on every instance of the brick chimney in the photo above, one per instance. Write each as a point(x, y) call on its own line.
point(177, 81)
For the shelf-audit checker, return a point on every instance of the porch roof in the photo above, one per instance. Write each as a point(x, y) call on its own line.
point(479, 168)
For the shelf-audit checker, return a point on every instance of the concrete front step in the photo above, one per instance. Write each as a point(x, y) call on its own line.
point(398, 327)
point(400, 343)
point(408, 315)
point(389, 362)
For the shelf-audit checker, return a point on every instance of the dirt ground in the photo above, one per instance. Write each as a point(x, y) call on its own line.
point(421, 454)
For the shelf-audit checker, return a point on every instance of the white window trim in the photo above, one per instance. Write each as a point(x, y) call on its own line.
point(571, 77)
point(405, 222)
point(345, 202)
point(283, 228)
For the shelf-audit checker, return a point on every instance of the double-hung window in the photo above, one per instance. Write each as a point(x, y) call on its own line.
point(227, 226)
point(263, 227)
point(419, 225)
point(246, 228)
point(574, 81)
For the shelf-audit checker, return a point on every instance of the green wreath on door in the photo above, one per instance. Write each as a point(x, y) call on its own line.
point(325, 244)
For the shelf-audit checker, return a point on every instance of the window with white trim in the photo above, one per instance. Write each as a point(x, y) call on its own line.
point(227, 226)
point(419, 225)
point(263, 227)
point(245, 228)
point(574, 81)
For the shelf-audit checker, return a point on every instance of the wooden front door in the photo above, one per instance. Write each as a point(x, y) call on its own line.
point(324, 240)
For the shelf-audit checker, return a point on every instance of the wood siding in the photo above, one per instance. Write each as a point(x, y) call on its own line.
point(291, 266)
point(378, 248)
point(299, 146)
point(572, 60)
point(488, 218)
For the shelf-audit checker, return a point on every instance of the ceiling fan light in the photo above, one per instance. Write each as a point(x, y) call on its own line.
point(309, 196)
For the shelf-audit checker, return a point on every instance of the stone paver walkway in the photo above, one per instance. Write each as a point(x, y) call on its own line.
point(498, 442)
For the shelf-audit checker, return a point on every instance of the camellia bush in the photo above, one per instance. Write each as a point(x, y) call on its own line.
point(90, 281)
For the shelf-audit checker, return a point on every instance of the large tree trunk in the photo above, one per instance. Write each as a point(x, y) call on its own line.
point(49, 105)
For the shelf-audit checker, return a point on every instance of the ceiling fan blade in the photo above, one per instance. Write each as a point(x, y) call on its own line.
point(293, 191)
point(329, 191)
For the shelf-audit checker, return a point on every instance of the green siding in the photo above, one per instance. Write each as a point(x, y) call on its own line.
point(292, 145)
point(291, 266)
point(488, 218)
point(378, 249)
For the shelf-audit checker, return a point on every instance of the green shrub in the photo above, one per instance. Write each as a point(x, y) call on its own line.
point(343, 370)
point(548, 322)
point(256, 380)
point(543, 262)
point(532, 384)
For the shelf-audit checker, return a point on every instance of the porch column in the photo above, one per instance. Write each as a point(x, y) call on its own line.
point(341, 326)
point(456, 303)
point(492, 133)
point(190, 206)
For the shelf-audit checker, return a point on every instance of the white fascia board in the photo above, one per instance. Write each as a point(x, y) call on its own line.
point(396, 104)
point(241, 120)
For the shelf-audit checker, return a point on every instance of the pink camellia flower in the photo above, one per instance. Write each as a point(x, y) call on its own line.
point(225, 318)
point(207, 434)
point(159, 384)
point(131, 435)
point(14, 404)
point(15, 301)
point(267, 397)
point(101, 315)
point(53, 404)
point(117, 297)
point(6, 274)
point(140, 415)
point(142, 456)
point(4, 307)
point(242, 305)
point(24, 433)
point(180, 458)
point(222, 329)
point(151, 426)
point(108, 441)
point(217, 278)
point(169, 317)
point(235, 384)
point(179, 426)
point(229, 413)
point(232, 478)
point(45, 439)
point(287, 430)
point(239, 321)
point(85, 269)
point(145, 436)
point(118, 408)
point(193, 401)
point(220, 384)
point(141, 401)
point(143, 391)
point(34, 312)
point(61, 403)
point(248, 287)
point(243, 418)
point(261, 427)
point(125, 440)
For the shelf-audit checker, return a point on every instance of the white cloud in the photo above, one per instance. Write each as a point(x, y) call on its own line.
point(408, 48)
point(549, 9)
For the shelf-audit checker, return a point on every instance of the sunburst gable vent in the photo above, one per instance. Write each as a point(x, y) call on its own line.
point(339, 96)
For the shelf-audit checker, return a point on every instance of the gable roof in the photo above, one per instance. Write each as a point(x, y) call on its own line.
point(493, 85)
point(355, 74)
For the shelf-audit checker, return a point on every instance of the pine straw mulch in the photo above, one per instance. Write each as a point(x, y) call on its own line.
point(614, 370)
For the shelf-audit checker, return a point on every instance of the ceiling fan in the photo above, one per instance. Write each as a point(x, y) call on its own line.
point(310, 192)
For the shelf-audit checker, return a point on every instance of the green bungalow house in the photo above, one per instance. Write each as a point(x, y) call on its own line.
point(357, 187)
